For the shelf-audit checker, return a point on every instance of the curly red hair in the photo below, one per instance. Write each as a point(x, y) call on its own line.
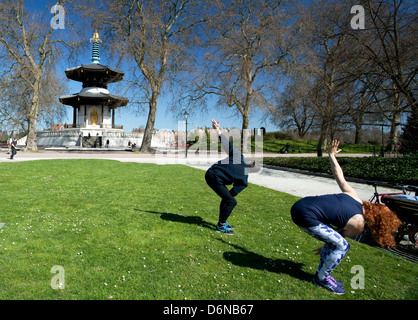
point(382, 222)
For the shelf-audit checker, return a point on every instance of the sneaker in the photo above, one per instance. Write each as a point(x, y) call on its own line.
point(224, 229)
point(329, 284)
point(229, 226)
point(340, 284)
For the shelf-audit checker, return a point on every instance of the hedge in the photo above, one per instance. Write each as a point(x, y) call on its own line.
point(392, 170)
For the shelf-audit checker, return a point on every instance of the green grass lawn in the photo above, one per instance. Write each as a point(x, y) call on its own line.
point(144, 231)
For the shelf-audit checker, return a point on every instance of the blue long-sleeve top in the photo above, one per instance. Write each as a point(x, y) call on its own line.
point(233, 169)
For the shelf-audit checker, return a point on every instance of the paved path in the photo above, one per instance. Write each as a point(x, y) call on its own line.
point(293, 183)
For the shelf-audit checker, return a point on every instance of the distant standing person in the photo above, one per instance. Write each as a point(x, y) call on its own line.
point(316, 215)
point(9, 144)
point(232, 170)
point(13, 146)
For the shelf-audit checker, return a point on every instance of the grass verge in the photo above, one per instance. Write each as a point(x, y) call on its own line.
point(144, 231)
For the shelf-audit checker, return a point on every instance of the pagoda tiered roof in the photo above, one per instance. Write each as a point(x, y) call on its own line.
point(94, 74)
point(95, 78)
point(88, 97)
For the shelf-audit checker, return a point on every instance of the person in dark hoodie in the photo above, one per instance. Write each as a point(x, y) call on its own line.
point(232, 170)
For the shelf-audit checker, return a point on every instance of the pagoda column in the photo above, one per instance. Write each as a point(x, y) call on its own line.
point(85, 115)
point(75, 117)
point(113, 118)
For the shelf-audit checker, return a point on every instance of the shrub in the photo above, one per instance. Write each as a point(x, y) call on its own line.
point(278, 135)
point(394, 170)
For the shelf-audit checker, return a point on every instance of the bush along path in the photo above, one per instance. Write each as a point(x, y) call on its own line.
point(397, 171)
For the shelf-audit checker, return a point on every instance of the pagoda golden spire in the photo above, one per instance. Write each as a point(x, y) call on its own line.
point(95, 58)
point(95, 37)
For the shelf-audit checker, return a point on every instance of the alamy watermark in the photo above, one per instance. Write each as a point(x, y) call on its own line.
point(357, 282)
point(58, 280)
point(359, 19)
point(203, 144)
point(58, 20)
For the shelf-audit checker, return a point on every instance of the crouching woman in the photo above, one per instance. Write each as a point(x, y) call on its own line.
point(318, 215)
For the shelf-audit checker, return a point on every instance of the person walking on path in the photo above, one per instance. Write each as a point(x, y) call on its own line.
point(9, 144)
point(316, 215)
point(232, 170)
point(13, 146)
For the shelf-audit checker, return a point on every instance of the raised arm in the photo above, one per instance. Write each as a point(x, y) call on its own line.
point(215, 126)
point(226, 144)
point(337, 171)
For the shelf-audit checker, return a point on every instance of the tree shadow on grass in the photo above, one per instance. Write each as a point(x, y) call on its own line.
point(253, 260)
point(169, 216)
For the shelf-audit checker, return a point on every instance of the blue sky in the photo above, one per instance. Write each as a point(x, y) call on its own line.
point(165, 119)
point(127, 116)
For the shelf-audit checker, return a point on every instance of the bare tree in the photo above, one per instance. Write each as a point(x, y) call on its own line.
point(246, 42)
point(360, 76)
point(386, 57)
point(28, 48)
point(326, 51)
point(395, 25)
point(155, 36)
point(16, 102)
point(359, 105)
point(294, 108)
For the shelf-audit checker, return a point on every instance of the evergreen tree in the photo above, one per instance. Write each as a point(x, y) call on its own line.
point(409, 137)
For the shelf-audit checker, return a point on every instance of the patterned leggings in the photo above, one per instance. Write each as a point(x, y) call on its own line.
point(333, 251)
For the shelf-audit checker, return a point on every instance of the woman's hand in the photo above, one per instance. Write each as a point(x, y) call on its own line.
point(338, 172)
point(215, 126)
point(333, 149)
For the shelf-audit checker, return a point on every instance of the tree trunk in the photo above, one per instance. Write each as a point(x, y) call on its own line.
point(32, 139)
point(394, 133)
point(149, 128)
point(246, 107)
point(323, 138)
point(245, 123)
point(358, 119)
point(394, 123)
point(357, 137)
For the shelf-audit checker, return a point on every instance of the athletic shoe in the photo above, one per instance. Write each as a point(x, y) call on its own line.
point(340, 284)
point(229, 226)
point(224, 229)
point(329, 284)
